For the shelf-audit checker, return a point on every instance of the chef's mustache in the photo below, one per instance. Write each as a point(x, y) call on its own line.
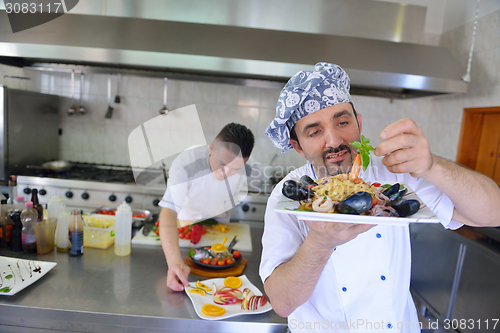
point(336, 150)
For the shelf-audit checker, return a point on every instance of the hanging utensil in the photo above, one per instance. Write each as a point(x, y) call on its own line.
point(81, 109)
point(109, 113)
point(164, 110)
point(117, 97)
point(72, 109)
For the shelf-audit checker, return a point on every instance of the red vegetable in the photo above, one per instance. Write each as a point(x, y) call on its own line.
point(196, 232)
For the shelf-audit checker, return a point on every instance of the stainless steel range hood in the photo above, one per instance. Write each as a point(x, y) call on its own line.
point(378, 64)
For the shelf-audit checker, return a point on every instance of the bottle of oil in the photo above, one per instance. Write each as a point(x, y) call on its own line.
point(36, 204)
point(76, 233)
point(29, 218)
point(5, 225)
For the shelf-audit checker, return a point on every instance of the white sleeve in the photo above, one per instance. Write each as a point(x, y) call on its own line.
point(283, 235)
point(177, 188)
point(437, 201)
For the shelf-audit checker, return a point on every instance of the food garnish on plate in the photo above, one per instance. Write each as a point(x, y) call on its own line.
point(216, 255)
point(349, 194)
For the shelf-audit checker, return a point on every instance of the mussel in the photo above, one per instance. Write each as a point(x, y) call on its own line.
point(306, 180)
point(296, 191)
point(405, 207)
point(356, 204)
point(394, 192)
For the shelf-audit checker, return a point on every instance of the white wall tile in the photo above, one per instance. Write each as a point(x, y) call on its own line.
point(249, 96)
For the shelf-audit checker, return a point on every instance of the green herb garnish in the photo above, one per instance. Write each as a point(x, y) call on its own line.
point(386, 185)
point(364, 150)
point(8, 277)
point(5, 289)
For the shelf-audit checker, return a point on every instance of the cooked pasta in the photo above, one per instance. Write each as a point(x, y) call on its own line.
point(337, 190)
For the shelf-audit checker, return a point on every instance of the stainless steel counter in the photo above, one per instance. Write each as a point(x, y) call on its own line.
point(101, 292)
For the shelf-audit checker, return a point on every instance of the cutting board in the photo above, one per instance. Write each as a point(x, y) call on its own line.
point(240, 230)
point(236, 270)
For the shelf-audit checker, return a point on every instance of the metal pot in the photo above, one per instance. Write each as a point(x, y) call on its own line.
point(56, 165)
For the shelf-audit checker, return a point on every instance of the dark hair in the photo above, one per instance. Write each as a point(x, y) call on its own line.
point(239, 135)
point(293, 134)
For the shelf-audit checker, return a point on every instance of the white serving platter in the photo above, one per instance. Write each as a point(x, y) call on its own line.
point(424, 215)
point(17, 274)
point(232, 309)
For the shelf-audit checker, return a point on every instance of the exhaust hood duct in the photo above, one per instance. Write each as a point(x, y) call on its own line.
point(376, 67)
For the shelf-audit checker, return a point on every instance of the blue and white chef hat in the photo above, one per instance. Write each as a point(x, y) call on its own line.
point(307, 92)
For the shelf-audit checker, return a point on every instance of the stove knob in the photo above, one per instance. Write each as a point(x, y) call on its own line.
point(69, 194)
point(245, 208)
point(112, 197)
point(156, 202)
point(27, 190)
point(85, 195)
point(128, 199)
point(42, 192)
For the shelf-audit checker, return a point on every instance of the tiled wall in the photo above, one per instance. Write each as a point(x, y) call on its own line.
point(92, 138)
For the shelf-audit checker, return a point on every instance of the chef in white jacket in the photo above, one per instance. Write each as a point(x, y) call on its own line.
point(345, 277)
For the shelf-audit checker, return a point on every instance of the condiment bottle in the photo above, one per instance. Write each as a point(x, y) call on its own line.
point(16, 233)
point(36, 204)
point(29, 218)
point(5, 225)
point(123, 229)
point(12, 192)
point(76, 233)
point(62, 231)
point(53, 208)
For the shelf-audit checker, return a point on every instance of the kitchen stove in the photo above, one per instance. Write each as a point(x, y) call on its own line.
point(90, 186)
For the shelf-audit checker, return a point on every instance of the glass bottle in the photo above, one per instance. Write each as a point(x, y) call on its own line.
point(36, 204)
point(16, 233)
point(12, 193)
point(5, 225)
point(29, 218)
point(76, 233)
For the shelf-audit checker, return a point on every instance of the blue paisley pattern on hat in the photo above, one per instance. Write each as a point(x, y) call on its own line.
point(307, 92)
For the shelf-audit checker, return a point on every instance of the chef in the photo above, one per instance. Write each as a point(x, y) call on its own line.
point(204, 182)
point(346, 277)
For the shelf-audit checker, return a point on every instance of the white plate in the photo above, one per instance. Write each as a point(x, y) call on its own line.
point(232, 309)
point(424, 215)
point(19, 273)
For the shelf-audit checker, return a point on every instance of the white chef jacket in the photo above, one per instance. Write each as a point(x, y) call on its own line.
point(364, 286)
point(194, 193)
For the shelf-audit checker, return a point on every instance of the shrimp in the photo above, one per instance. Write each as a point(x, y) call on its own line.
point(356, 167)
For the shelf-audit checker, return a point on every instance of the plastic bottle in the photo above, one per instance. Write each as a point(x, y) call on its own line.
point(29, 217)
point(123, 229)
point(53, 208)
point(62, 231)
point(5, 225)
point(36, 204)
point(76, 233)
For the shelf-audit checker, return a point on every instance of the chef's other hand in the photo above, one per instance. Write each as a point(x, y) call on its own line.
point(333, 234)
point(177, 276)
point(405, 148)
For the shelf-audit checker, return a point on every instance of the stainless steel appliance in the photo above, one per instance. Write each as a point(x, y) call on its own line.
point(89, 186)
point(29, 130)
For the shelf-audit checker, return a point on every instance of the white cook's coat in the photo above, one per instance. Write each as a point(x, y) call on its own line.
point(194, 193)
point(364, 286)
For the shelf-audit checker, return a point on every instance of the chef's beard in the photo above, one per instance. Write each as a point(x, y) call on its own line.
point(336, 168)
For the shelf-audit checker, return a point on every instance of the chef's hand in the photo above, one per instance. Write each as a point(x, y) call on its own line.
point(332, 234)
point(177, 276)
point(405, 148)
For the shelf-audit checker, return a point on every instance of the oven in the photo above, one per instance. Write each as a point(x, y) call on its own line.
point(89, 187)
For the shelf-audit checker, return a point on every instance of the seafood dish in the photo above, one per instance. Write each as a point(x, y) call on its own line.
point(217, 256)
point(349, 194)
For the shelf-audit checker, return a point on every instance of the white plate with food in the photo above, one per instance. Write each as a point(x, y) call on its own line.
point(229, 310)
point(422, 215)
point(17, 274)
